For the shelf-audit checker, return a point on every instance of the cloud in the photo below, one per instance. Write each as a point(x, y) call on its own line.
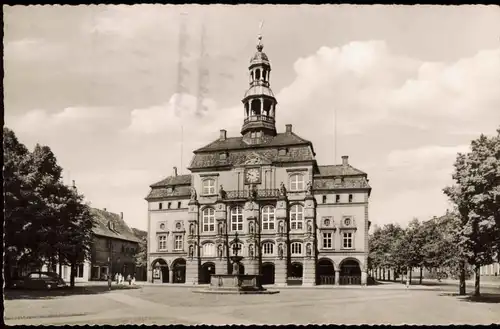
point(369, 85)
point(74, 119)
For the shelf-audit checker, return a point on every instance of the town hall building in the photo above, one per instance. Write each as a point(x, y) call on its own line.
point(296, 222)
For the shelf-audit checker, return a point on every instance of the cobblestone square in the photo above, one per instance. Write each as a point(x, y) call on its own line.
point(179, 305)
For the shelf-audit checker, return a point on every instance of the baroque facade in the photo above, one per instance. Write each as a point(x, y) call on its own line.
point(298, 222)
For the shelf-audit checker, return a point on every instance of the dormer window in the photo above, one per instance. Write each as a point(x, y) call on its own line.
point(160, 206)
point(282, 152)
point(296, 182)
point(324, 198)
point(350, 197)
point(337, 198)
point(223, 156)
point(111, 225)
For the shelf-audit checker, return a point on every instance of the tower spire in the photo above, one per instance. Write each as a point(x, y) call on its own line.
point(259, 101)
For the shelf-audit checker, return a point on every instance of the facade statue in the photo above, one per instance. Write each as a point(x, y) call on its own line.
point(191, 251)
point(280, 229)
point(222, 193)
point(250, 228)
point(280, 251)
point(250, 251)
point(282, 189)
point(309, 228)
point(193, 194)
point(308, 249)
point(219, 251)
point(221, 229)
point(309, 188)
point(253, 192)
point(191, 229)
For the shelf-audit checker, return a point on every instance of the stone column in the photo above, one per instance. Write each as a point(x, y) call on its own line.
point(280, 274)
point(262, 106)
point(337, 277)
point(309, 274)
point(364, 276)
point(170, 275)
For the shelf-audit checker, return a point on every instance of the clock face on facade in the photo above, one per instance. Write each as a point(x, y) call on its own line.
point(252, 175)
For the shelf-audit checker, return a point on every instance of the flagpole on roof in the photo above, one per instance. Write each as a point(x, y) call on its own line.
point(335, 135)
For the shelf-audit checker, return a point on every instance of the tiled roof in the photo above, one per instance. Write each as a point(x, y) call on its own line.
point(239, 157)
point(232, 143)
point(120, 229)
point(338, 170)
point(163, 192)
point(259, 90)
point(174, 180)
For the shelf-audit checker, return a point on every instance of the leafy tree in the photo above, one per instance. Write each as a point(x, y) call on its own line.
point(476, 195)
point(141, 257)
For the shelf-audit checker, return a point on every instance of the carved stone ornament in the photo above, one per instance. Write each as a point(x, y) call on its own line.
point(219, 251)
point(193, 194)
point(309, 188)
point(308, 249)
point(191, 229)
point(280, 251)
point(191, 251)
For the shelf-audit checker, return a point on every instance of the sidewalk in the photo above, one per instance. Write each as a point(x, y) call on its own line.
point(435, 282)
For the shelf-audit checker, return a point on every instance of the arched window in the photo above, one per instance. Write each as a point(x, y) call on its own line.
point(268, 248)
point(296, 182)
point(208, 186)
point(268, 218)
point(208, 217)
point(296, 248)
point(296, 217)
point(236, 219)
point(208, 250)
point(257, 74)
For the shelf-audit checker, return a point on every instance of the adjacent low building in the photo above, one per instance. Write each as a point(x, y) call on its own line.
point(113, 249)
point(299, 222)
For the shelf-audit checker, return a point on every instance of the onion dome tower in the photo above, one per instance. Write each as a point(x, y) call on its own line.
point(259, 101)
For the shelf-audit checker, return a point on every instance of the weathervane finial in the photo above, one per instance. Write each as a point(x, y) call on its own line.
point(260, 46)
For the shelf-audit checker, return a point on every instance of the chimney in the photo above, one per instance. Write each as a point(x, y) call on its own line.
point(345, 160)
point(121, 214)
point(104, 209)
point(175, 171)
point(288, 128)
point(74, 185)
point(223, 135)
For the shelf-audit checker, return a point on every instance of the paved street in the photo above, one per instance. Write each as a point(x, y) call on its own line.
point(389, 303)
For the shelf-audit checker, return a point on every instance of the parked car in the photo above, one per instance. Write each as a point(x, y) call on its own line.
point(40, 280)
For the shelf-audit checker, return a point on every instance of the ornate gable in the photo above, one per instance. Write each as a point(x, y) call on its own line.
point(253, 158)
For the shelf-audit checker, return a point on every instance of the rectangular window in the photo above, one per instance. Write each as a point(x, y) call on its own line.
point(337, 198)
point(169, 204)
point(350, 197)
point(160, 206)
point(79, 271)
point(208, 187)
point(347, 240)
point(179, 204)
point(178, 242)
point(268, 248)
point(324, 198)
point(162, 242)
point(327, 240)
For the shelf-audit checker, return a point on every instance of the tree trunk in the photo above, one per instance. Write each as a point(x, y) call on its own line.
point(410, 270)
point(477, 277)
point(462, 291)
point(59, 258)
point(73, 274)
point(421, 271)
point(402, 276)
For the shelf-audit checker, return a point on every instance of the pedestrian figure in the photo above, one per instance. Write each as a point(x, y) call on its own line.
point(117, 278)
point(129, 279)
point(407, 281)
point(120, 278)
point(133, 280)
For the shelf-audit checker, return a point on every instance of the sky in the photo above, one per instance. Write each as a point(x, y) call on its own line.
point(411, 86)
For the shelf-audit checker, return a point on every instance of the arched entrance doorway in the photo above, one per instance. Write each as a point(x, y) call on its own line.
point(325, 272)
point(350, 272)
point(295, 274)
point(267, 273)
point(179, 270)
point(160, 271)
point(207, 270)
